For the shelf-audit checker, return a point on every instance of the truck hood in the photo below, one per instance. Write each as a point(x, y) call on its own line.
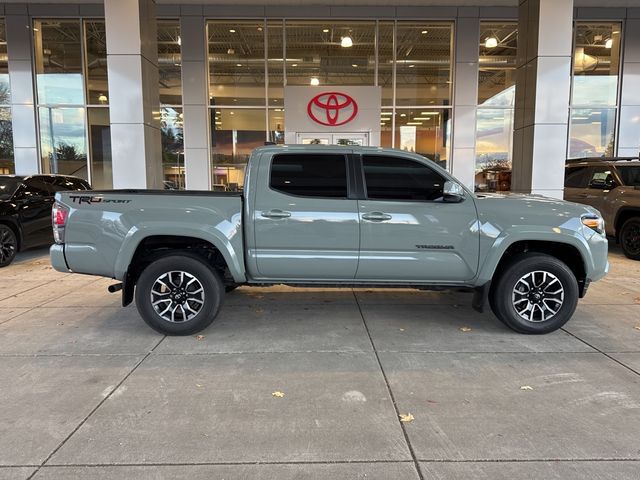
point(519, 209)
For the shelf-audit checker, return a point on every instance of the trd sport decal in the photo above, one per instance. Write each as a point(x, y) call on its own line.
point(80, 199)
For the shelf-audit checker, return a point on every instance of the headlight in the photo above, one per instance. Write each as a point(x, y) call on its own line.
point(594, 222)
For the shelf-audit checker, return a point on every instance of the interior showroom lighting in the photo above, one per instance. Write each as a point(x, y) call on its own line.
point(314, 81)
point(491, 42)
point(608, 43)
point(346, 42)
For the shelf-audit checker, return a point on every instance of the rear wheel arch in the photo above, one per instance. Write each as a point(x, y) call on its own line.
point(154, 247)
point(16, 230)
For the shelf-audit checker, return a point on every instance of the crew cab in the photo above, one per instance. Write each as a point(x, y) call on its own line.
point(333, 216)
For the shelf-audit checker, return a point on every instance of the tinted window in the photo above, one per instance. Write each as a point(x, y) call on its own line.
point(310, 175)
point(35, 186)
point(576, 177)
point(70, 183)
point(603, 173)
point(630, 175)
point(8, 186)
point(393, 178)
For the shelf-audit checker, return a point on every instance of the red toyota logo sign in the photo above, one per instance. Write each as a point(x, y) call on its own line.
point(332, 109)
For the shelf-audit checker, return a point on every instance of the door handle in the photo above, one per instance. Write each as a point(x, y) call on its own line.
point(276, 214)
point(376, 216)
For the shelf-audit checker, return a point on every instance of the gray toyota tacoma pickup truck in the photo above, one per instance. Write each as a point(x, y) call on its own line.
point(333, 216)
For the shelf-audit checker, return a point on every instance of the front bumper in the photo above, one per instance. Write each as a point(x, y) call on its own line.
point(58, 262)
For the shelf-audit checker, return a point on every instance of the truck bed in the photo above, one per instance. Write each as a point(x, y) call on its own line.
point(105, 227)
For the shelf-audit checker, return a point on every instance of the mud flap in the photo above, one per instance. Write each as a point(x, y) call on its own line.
point(480, 297)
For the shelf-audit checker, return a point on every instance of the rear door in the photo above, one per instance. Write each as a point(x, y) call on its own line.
point(407, 232)
point(35, 202)
point(305, 224)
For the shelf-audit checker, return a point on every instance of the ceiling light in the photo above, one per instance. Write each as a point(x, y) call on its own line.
point(231, 30)
point(421, 118)
point(403, 114)
point(414, 123)
point(294, 64)
point(231, 51)
point(608, 43)
point(238, 64)
point(231, 113)
point(179, 40)
point(259, 29)
point(314, 81)
point(388, 114)
point(424, 32)
point(346, 42)
point(325, 30)
point(411, 66)
point(354, 65)
point(102, 99)
point(428, 113)
point(491, 42)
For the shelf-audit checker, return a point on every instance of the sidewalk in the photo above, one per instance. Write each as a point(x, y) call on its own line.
point(87, 390)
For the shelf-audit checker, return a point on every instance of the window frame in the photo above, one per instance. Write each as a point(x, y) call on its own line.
point(348, 174)
point(415, 160)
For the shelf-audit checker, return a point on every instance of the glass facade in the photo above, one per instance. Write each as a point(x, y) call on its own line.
point(72, 87)
point(496, 97)
point(594, 89)
point(6, 132)
point(171, 114)
point(251, 61)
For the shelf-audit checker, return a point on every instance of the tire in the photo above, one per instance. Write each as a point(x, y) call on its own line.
point(8, 245)
point(630, 238)
point(546, 308)
point(192, 293)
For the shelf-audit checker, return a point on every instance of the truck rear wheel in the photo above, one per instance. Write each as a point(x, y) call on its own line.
point(535, 293)
point(179, 295)
point(630, 238)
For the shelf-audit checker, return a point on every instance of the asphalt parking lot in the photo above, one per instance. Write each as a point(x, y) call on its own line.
point(87, 390)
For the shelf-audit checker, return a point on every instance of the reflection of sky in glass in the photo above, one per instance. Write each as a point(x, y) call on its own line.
point(591, 132)
point(62, 126)
point(503, 99)
point(493, 136)
point(60, 88)
point(594, 90)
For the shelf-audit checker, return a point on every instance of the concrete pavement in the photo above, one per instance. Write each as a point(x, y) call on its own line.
point(87, 390)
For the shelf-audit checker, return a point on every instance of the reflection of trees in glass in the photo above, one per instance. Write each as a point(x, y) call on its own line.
point(6, 139)
point(172, 142)
point(4, 94)
point(67, 152)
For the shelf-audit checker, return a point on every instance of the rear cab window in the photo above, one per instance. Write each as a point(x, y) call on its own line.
point(396, 178)
point(310, 175)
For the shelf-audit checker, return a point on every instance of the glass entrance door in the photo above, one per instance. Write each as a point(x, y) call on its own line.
point(358, 139)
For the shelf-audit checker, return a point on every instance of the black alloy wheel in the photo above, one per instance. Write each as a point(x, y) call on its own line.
point(630, 238)
point(8, 245)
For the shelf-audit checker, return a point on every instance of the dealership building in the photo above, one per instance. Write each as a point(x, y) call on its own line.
point(144, 94)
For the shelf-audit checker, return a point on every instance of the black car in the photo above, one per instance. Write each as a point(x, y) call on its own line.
point(25, 210)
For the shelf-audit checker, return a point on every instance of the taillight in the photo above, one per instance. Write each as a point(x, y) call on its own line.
point(59, 215)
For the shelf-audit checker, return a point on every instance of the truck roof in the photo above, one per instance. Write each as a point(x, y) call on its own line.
point(330, 148)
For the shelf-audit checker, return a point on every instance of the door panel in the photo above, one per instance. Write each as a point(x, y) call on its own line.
point(422, 241)
point(301, 237)
point(408, 233)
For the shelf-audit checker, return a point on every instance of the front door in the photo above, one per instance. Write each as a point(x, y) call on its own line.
point(346, 139)
point(407, 232)
point(305, 226)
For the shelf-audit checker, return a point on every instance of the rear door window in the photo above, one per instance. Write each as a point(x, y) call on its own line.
point(310, 175)
point(396, 178)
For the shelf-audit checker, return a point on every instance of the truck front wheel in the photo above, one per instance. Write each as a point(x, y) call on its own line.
point(179, 295)
point(535, 293)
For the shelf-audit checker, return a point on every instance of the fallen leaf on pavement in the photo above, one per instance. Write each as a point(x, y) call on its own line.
point(198, 385)
point(406, 418)
point(526, 387)
point(200, 337)
point(278, 394)
point(402, 329)
point(636, 300)
point(465, 329)
point(637, 327)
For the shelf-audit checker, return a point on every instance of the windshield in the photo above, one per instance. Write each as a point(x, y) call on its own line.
point(8, 186)
point(630, 175)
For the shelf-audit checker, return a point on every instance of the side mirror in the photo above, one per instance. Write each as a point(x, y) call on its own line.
point(452, 192)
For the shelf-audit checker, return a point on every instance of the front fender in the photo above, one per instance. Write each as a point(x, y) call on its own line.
point(515, 234)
